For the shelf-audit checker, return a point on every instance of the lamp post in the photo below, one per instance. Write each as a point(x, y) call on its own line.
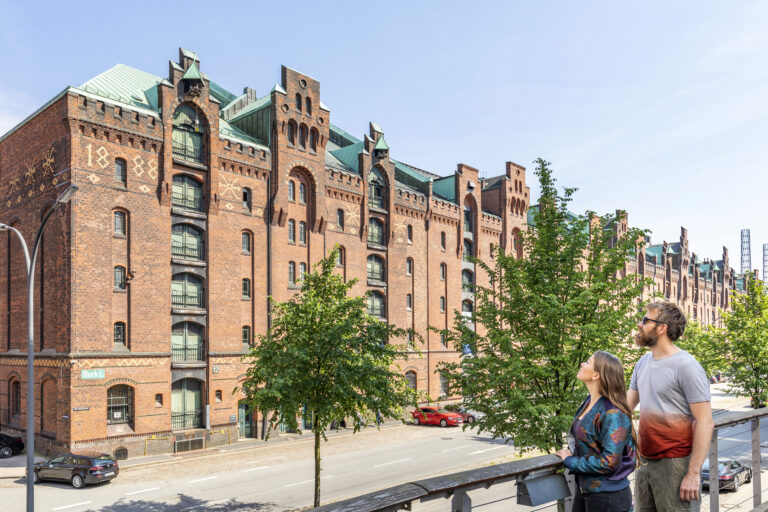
point(30, 261)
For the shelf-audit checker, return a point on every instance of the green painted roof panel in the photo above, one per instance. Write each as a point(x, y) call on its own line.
point(381, 144)
point(445, 188)
point(126, 84)
point(192, 73)
point(260, 103)
point(348, 155)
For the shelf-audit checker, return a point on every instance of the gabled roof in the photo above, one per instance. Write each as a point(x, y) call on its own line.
point(381, 144)
point(348, 155)
point(221, 94)
point(192, 73)
point(126, 84)
point(229, 131)
point(445, 188)
point(494, 182)
point(260, 103)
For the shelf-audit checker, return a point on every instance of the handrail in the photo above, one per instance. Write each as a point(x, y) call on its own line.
point(402, 497)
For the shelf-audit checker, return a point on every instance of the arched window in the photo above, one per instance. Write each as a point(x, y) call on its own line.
point(443, 271)
point(442, 304)
point(303, 136)
point(187, 342)
point(246, 335)
point(410, 377)
point(186, 404)
point(120, 223)
point(302, 232)
point(297, 102)
point(302, 193)
point(467, 250)
point(468, 224)
point(376, 232)
point(313, 140)
point(120, 405)
point(340, 257)
point(467, 280)
point(246, 286)
point(408, 301)
point(119, 277)
point(292, 231)
point(302, 270)
point(291, 133)
point(409, 231)
point(119, 334)
point(442, 240)
point(121, 171)
point(375, 268)
point(376, 189)
point(187, 242)
point(308, 104)
point(187, 291)
point(15, 398)
point(48, 409)
point(466, 307)
point(376, 305)
point(443, 385)
point(340, 218)
point(517, 243)
point(188, 135)
point(187, 193)
point(246, 241)
point(409, 266)
point(291, 272)
point(291, 190)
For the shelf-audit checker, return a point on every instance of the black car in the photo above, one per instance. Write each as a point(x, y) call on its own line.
point(10, 445)
point(731, 474)
point(79, 470)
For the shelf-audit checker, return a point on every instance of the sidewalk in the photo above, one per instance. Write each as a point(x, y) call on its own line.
point(15, 467)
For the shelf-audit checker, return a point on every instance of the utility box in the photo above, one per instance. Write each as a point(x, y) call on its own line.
point(539, 488)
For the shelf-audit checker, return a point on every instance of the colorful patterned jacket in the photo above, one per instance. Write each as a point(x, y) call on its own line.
point(602, 447)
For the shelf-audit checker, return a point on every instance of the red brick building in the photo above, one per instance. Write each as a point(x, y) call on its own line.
point(195, 204)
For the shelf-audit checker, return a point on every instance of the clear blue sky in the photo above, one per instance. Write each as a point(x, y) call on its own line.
point(659, 108)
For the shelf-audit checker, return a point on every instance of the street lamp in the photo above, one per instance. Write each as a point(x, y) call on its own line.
point(30, 261)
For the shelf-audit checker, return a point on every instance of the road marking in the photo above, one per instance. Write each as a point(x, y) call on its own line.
point(141, 491)
point(307, 481)
point(73, 505)
point(488, 450)
point(203, 479)
point(456, 448)
point(393, 462)
point(255, 469)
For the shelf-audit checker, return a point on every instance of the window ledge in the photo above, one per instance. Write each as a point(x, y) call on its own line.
point(190, 263)
point(377, 209)
point(294, 287)
point(190, 163)
point(121, 237)
point(245, 299)
point(377, 247)
point(377, 283)
point(188, 213)
point(120, 290)
point(187, 311)
point(246, 253)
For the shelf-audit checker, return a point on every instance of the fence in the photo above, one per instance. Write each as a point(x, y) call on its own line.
point(189, 299)
point(186, 420)
point(193, 352)
point(188, 152)
point(188, 251)
point(457, 485)
point(187, 201)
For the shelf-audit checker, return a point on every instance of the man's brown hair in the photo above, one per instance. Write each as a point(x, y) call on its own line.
point(671, 315)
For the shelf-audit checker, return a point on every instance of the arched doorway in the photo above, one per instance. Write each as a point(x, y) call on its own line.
point(245, 419)
point(186, 404)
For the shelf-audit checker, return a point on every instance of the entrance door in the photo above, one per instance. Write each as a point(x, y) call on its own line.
point(245, 419)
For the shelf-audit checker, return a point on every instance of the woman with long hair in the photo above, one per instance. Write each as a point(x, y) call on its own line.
point(602, 441)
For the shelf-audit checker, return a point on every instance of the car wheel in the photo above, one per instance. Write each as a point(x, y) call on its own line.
point(77, 481)
point(5, 452)
point(470, 419)
point(443, 423)
point(416, 420)
point(736, 484)
point(36, 477)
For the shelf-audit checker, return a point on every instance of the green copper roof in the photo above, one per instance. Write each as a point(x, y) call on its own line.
point(253, 107)
point(190, 54)
point(126, 84)
point(348, 155)
point(344, 135)
point(445, 188)
point(192, 73)
point(381, 144)
point(654, 251)
point(221, 95)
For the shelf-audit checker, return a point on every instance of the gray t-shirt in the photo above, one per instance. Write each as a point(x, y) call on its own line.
point(666, 387)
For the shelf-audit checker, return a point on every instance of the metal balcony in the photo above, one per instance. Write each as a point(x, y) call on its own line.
point(188, 152)
point(187, 202)
point(188, 300)
point(188, 353)
point(186, 420)
point(188, 251)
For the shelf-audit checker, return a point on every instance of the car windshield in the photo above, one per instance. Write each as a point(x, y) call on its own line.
point(102, 458)
point(721, 466)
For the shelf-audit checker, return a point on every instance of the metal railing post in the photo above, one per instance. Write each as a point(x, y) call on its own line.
point(756, 483)
point(714, 475)
point(461, 502)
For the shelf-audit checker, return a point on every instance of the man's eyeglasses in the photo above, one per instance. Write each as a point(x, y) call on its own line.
point(646, 319)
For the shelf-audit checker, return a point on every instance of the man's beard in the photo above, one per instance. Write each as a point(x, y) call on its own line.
point(646, 340)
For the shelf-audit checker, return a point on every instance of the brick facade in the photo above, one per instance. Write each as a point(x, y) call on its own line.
point(203, 169)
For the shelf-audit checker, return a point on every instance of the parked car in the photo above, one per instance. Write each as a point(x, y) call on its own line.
point(468, 415)
point(731, 474)
point(435, 416)
point(79, 470)
point(10, 445)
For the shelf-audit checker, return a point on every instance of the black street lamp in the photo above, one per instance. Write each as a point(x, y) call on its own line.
point(30, 261)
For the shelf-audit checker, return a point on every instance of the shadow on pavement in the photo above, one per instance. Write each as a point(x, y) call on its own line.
point(189, 503)
point(488, 440)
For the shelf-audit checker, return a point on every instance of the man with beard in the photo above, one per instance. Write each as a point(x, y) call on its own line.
point(675, 415)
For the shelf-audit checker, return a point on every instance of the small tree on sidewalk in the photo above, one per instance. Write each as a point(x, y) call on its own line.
point(543, 316)
point(744, 341)
point(327, 358)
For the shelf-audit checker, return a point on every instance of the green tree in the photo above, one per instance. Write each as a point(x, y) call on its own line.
point(326, 358)
point(744, 341)
point(703, 343)
point(544, 315)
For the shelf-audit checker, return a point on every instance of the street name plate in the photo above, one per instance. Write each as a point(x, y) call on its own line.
point(93, 373)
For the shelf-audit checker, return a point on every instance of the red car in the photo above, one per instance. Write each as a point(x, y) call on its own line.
point(435, 416)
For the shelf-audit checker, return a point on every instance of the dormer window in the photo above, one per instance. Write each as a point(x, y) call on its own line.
point(381, 149)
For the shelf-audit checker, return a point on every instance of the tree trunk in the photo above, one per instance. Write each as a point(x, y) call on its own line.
point(317, 461)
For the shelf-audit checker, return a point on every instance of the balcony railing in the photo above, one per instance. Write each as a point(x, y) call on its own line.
point(457, 485)
point(188, 152)
point(188, 299)
point(187, 201)
point(188, 251)
point(186, 420)
point(188, 353)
